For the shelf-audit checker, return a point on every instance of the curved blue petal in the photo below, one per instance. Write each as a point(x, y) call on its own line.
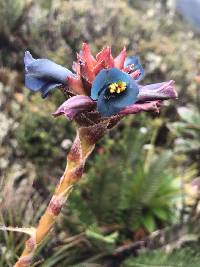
point(108, 107)
point(34, 84)
point(105, 107)
point(46, 88)
point(131, 60)
point(135, 61)
point(43, 74)
point(106, 77)
point(28, 58)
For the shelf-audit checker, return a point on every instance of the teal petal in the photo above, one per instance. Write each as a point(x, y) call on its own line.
point(106, 77)
point(111, 106)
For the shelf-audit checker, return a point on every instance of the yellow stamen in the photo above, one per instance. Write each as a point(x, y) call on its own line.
point(117, 87)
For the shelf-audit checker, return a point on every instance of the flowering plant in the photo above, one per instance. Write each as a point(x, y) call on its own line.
point(100, 91)
point(103, 84)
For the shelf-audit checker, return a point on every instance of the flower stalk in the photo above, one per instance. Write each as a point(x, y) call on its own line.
point(100, 91)
point(82, 147)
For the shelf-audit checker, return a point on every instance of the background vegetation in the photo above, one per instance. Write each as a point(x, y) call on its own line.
point(138, 180)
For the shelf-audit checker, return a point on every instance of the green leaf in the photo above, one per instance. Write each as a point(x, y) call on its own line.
point(161, 213)
point(110, 239)
point(149, 223)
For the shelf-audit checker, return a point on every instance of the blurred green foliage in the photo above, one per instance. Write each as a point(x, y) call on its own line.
point(40, 137)
point(117, 180)
point(132, 183)
point(187, 132)
point(179, 258)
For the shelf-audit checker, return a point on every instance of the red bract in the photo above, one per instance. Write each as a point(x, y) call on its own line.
point(87, 67)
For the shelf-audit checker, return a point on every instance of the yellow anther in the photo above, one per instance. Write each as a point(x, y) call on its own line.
point(118, 90)
point(117, 87)
point(113, 87)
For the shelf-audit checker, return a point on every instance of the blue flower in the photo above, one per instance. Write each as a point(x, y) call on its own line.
point(134, 66)
point(113, 90)
point(43, 74)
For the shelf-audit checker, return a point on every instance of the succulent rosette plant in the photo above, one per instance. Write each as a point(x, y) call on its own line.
point(100, 91)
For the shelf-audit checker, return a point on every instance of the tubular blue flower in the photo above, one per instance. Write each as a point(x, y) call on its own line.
point(157, 91)
point(134, 68)
point(113, 90)
point(138, 107)
point(74, 106)
point(43, 74)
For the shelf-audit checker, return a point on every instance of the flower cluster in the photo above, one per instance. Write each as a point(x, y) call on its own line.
point(101, 85)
